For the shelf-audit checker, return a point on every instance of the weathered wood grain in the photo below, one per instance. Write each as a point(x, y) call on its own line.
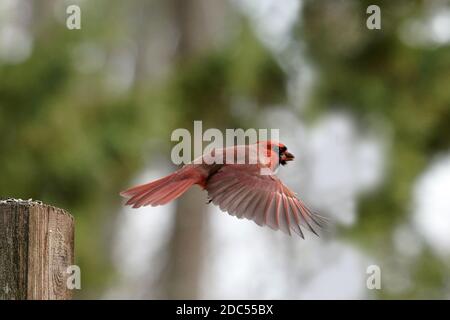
point(36, 247)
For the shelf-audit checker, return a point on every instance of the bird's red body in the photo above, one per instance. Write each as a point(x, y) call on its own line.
point(236, 186)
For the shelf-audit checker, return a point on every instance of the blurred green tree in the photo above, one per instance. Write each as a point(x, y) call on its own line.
point(375, 75)
point(69, 141)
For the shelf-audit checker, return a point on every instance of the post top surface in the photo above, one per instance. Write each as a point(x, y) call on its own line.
point(32, 203)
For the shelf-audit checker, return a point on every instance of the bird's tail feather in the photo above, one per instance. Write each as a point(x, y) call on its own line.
point(158, 192)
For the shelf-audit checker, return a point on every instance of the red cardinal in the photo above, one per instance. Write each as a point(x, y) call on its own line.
point(239, 189)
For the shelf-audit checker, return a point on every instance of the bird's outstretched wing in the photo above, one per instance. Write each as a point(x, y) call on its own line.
point(243, 192)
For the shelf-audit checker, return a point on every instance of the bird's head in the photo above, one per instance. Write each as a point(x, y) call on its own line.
point(277, 147)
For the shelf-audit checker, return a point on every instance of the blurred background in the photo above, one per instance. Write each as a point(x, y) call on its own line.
point(87, 113)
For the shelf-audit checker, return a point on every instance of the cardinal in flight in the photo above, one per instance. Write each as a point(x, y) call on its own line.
point(245, 187)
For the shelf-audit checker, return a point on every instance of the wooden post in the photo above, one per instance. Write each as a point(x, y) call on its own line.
point(36, 247)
